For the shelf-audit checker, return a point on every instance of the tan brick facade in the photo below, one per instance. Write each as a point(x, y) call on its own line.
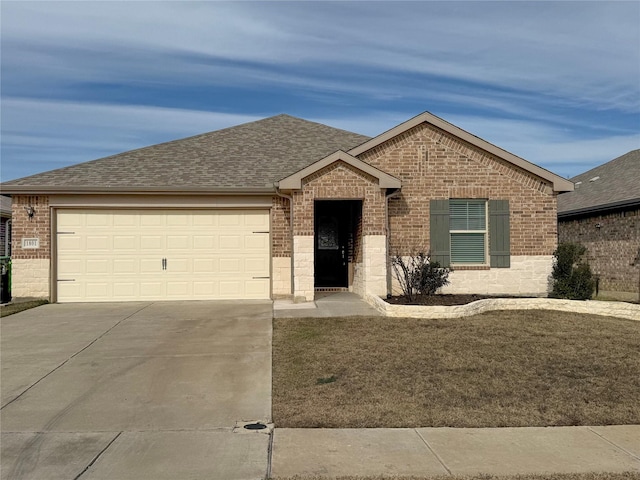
point(432, 164)
point(281, 227)
point(340, 181)
point(37, 227)
point(613, 242)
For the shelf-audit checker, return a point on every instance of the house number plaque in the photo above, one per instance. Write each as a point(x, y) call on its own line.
point(30, 243)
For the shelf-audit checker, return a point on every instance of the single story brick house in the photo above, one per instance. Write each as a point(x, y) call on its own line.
point(285, 207)
point(603, 214)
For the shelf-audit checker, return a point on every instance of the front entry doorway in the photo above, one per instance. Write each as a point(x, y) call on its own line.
point(336, 235)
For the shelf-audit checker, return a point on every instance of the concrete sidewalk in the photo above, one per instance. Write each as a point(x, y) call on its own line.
point(329, 304)
point(455, 451)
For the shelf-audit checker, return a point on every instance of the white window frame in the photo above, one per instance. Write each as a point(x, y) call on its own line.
point(484, 232)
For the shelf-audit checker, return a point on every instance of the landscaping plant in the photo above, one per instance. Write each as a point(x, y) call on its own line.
point(418, 275)
point(572, 277)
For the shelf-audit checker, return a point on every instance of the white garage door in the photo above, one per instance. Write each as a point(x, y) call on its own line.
point(120, 255)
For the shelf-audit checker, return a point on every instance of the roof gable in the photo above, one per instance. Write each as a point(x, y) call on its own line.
point(294, 182)
point(559, 184)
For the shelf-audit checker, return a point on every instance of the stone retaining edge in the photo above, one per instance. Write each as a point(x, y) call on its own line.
point(624, 310)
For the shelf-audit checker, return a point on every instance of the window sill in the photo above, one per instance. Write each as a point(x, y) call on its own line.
point(454, 268)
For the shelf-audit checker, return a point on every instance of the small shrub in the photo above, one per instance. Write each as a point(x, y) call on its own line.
point(418, 275)
point(571, 275)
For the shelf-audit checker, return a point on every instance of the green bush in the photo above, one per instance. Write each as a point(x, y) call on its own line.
point(572, 277)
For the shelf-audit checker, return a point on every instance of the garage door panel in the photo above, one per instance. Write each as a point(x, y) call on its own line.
point(118, 255)
point(257, 288)
point(230, 242)
point(256, 242)
point(256, 266)
point(204, 242)
point(151, 242)
point(97, 266)
point(97, 244)
point(178, 243)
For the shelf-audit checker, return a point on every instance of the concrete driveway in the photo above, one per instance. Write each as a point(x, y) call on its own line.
point(136, 391)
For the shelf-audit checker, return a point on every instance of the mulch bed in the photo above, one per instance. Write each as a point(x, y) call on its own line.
point(444, 300)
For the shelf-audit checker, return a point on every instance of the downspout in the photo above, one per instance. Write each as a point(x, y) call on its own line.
point(290, 198)
point(393, 194)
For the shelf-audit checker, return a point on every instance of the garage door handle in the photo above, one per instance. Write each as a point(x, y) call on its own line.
point(164, 263)
point(256, 278)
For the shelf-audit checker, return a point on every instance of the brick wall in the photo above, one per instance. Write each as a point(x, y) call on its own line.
point(611, 248)
point(36, 227)
point(280, 227)
point(340, 181)
point(435, 165)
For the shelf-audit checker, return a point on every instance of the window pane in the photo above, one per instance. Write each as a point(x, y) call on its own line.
point(467, 248)
point(467, 215)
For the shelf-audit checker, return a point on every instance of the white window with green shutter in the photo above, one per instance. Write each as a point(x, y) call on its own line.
point(468, 231)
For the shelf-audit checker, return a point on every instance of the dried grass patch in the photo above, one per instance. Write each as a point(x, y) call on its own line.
point(498, 369)
point(550, 476)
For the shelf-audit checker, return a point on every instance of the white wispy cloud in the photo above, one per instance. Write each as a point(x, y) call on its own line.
point(514, 73)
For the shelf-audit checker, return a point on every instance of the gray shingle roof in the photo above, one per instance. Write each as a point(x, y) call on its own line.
point(615, 183)
point(250, 156)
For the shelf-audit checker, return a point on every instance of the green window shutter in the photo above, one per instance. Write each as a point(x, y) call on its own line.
point(499, 235)
point(439, 231)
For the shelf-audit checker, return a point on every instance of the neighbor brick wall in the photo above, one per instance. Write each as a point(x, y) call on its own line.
point(611, 248)
point(37, 227)
point(433, 164)
point(281, 227)
point(340, 181)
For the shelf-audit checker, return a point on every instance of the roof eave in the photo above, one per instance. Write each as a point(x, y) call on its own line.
point(164, 190)
point(600, 208)
point(559, 184)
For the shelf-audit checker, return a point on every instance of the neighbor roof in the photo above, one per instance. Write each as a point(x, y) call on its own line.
point(247, 157)
point(615, 184)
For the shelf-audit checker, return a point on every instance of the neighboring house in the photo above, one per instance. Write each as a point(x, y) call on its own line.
point(5, 226)
point(603, 214)
point(285, 207)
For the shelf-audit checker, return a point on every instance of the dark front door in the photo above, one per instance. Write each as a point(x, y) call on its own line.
point(332, 229)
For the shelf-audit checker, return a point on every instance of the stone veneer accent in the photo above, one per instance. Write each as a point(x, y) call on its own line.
point(281, 276)
point(528, 275)
point(30, 277)
point(609, 309)
point(611, 248)
point(303, 287)
point(370, 276)
point(30, 267)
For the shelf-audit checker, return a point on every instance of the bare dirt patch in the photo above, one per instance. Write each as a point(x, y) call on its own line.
point(498, 369)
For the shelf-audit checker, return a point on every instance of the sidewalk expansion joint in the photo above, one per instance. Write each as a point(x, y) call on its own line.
point(97, 457)
point(72, 356)
point(614, 444)
point(444, 465)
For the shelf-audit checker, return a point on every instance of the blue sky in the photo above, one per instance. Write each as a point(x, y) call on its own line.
point(557, 83)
